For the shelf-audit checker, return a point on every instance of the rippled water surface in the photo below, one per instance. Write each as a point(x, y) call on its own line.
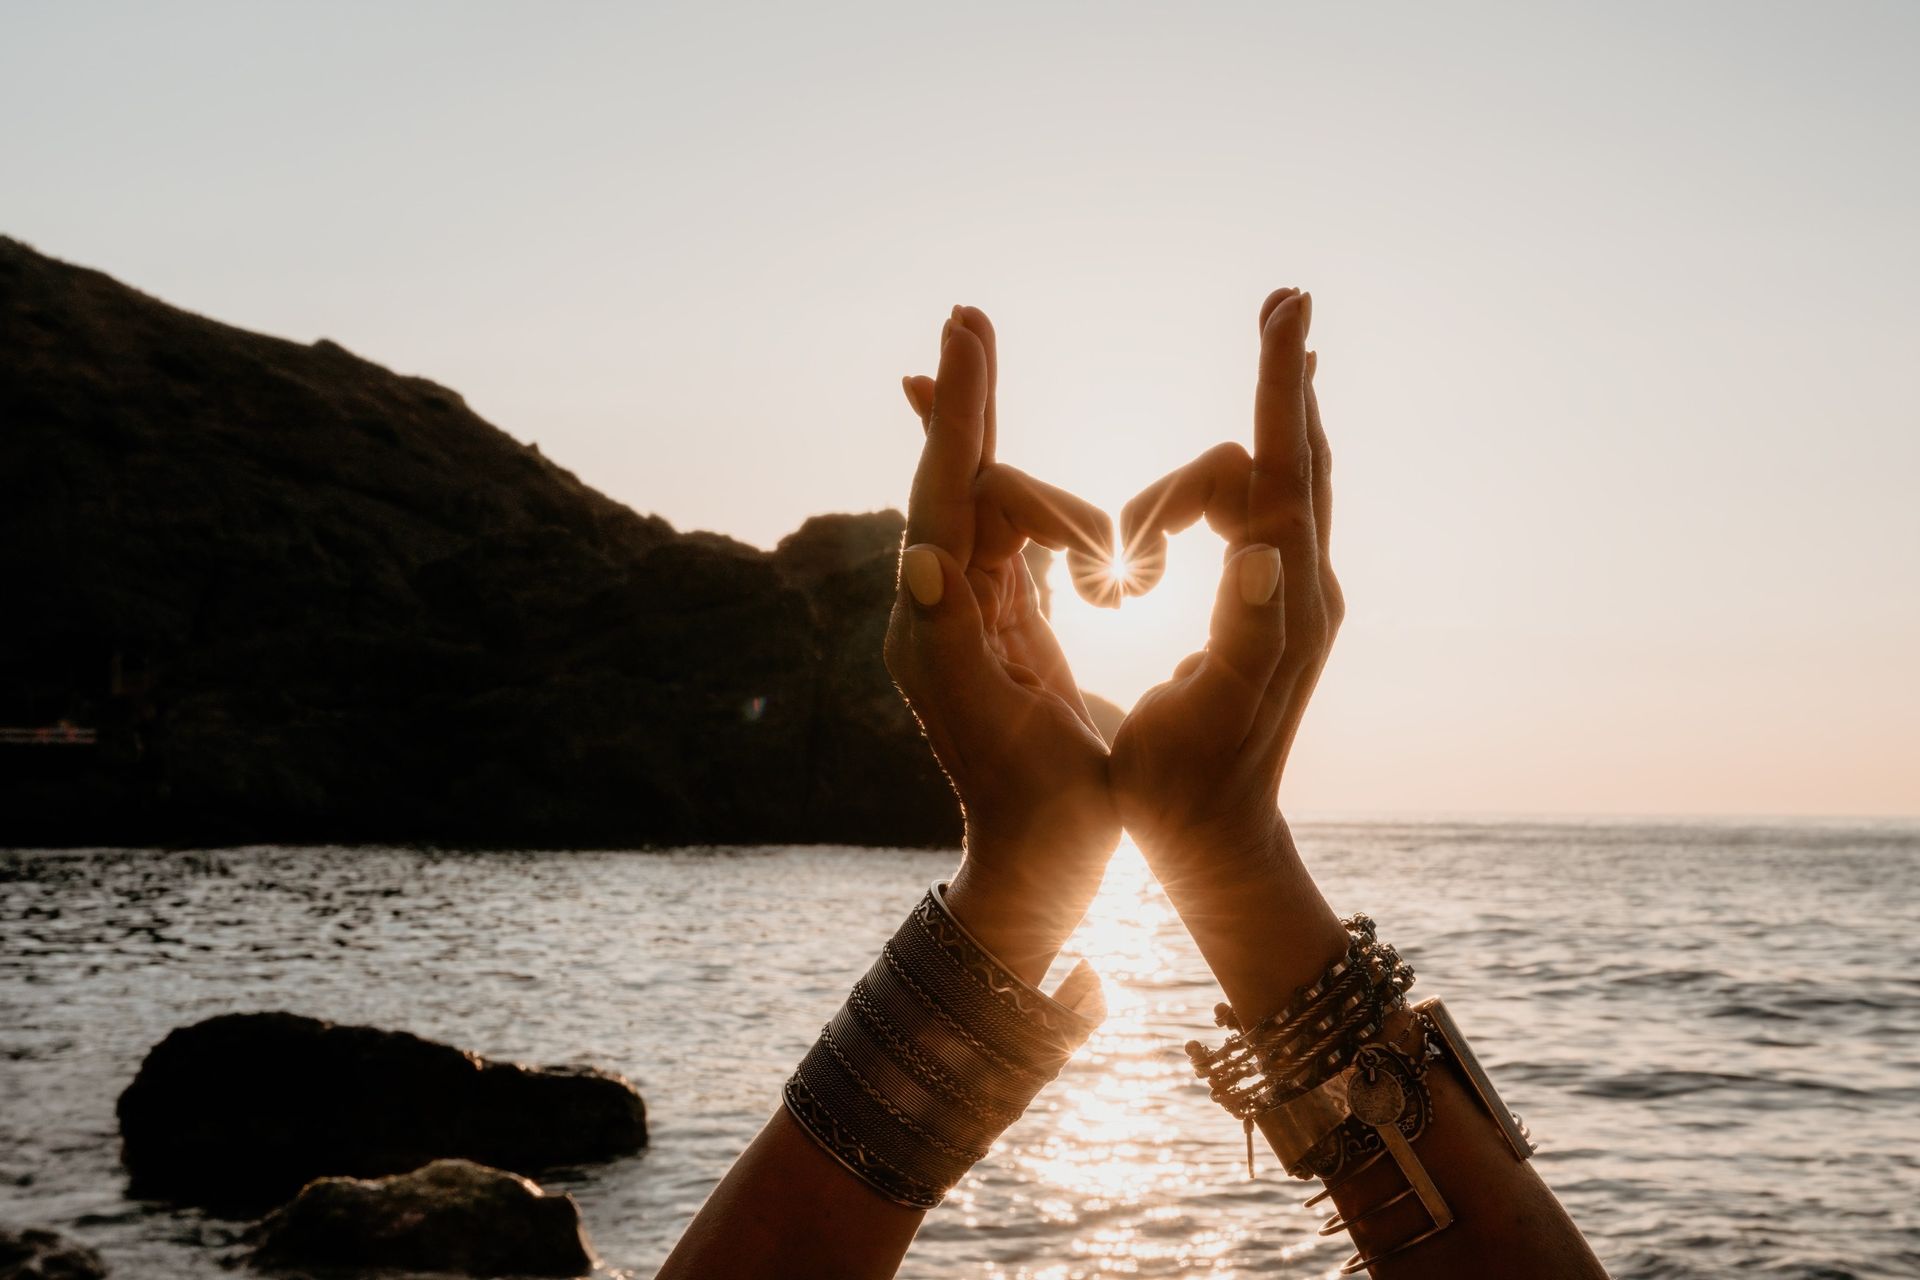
point(1712, 1029)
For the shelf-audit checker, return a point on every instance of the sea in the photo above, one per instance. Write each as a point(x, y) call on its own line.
point(1711, 1027)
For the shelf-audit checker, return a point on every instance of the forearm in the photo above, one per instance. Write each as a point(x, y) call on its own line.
point(1255, 913)
point(936, 1050)
point(1267, 931)
point(787, 1208)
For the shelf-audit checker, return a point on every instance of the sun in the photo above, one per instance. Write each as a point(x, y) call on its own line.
point(1108, 580)
point(1120, 651)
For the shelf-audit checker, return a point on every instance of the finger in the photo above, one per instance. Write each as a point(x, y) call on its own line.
point(1244, 643)
point(1213, 485)
point(945, 645)
point(940, 510)
point(982, 328)
point(1282, 450)
point(1014, 507)
point(1322, 464)
point(1274, 299)
point(919, 389)
point(1033, 645)
point(1043, 512)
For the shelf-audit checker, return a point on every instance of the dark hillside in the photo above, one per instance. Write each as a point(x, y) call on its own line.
point(297, 597)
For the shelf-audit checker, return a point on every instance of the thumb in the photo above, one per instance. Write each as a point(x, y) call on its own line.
point(1245, 641)
point(945, 635)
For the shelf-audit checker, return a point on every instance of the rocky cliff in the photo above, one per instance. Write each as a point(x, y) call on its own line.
point(293, 596)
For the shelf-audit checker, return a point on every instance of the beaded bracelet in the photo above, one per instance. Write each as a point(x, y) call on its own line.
point(1293, 1054)
point(1334, 1094)
point(935, 1052)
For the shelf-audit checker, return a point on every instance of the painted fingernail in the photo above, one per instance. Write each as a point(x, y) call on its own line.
point(921, 568)
point(1259, 574)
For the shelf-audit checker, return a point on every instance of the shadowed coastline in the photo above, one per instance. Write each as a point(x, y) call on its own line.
point(290, 595)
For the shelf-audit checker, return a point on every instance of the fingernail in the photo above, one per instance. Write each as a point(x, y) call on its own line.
point(913, 401)
point(1306, 313)
point(1313, 362)
point(921, 568)
point(946, 332)
point(1273, 320)
point(1259, 574)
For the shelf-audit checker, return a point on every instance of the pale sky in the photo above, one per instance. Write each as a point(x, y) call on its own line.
point(1615, 311)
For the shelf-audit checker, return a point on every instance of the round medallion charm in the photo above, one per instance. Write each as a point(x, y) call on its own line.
point(1375, 1098)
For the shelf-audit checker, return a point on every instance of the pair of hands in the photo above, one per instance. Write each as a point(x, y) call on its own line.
point(1194, 771)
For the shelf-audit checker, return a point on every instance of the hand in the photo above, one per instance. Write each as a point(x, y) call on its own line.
point(1196, 766)
point(969, 648)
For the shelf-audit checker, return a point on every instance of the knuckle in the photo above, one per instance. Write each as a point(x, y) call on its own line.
point(1228, 456)
point(1102, 527)
point(1293, 522)
point(1300, 466)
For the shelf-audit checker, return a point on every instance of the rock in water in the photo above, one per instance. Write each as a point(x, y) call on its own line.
point(34, 1254)
point(300, 598)
point(452, 1216)
point(238, 1112)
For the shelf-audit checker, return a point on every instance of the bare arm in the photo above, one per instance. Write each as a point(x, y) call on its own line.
point(982, 671)
point(1196, 773)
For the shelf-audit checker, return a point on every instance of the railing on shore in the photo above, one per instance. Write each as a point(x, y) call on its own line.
point(52, 735)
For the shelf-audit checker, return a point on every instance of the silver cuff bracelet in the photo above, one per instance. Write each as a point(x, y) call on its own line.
point(935, 1052)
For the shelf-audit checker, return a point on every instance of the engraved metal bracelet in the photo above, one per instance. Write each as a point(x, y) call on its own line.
point(935, 1052)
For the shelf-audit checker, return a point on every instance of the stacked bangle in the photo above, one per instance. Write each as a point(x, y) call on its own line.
point(1294, 1053)
point(935, 1052)
point(1333, 1092)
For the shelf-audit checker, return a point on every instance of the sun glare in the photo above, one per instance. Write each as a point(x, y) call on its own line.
point(1124, 1163)
point(1113, 1138)
point(1121, 652)
point(1119, 1164)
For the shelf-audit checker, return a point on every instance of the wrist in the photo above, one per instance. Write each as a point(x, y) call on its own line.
point(1022, 903)
point(1254, 911)
point(1220, 852)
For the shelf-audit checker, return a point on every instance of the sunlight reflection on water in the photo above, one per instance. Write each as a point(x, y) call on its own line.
point(1114, 1165)
point(1675, 1007)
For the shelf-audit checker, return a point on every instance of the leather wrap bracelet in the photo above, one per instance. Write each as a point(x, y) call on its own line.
point(935, 1052)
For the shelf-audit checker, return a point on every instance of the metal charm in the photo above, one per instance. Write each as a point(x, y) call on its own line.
point(1378, 1092)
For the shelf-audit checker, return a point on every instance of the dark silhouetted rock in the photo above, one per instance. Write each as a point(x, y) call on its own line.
point(240, 1111)
point(452, 1216)
point(303, 598)
point(34, 1254)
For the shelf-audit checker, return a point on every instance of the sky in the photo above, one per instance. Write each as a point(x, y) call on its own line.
point(1615, 308)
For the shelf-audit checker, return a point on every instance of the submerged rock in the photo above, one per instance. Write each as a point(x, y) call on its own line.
point(239, 1112)
point(35, 1254)
point(452, 1216)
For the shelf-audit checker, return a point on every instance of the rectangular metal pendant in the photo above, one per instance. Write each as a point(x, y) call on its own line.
point(1417, 1176)
point(1435, 1012)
